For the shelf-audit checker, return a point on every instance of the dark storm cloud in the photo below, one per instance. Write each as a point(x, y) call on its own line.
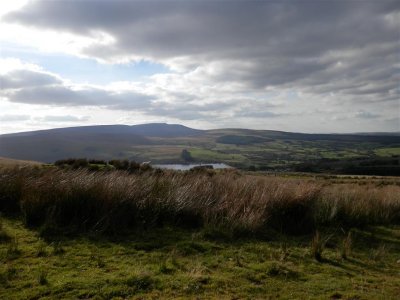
point(175, 28)
point(262, 43)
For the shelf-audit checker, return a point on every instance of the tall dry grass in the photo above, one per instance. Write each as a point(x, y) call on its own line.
point(79, 200)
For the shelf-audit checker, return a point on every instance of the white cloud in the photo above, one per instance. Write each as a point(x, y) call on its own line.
point(63, 119)
point(14, 118)
point(10, 64)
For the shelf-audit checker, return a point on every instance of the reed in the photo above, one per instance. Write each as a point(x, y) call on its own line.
point(114, 201)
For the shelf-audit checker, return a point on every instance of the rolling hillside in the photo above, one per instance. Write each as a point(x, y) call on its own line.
point(243, 148)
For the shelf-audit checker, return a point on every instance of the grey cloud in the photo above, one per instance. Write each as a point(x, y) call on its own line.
point(26, 78)
point(175, 28)
point(189, 111)
point(61, 95)
point(366, 115)
point(347, 49)
point(260, 43)
point(258, 114)
point(53, 92)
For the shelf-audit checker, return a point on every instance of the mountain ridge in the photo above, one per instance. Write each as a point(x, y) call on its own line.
point(164, 143)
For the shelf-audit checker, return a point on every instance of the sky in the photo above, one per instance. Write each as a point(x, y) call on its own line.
point(312, 66)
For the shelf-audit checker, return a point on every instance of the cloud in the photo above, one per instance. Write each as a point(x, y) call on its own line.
point(228, 60)
point(36, 86)
point(258, 114)
point(63, 118)
point(366, 115)
point(14, 118)
point(349, 48)
point(61, 95)
point(26, 78)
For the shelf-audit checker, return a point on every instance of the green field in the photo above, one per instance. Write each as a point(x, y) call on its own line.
point(175, 263)
point(388, 151)
point(241, 148)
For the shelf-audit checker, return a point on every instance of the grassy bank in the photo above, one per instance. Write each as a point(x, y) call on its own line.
point(174, 263)
point(157, 234)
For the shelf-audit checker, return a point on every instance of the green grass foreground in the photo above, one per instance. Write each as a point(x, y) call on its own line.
point(193, 264)
point(80, 234)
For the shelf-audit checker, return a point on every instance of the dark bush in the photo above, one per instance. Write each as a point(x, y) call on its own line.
point(120, 164)
point(97, 161)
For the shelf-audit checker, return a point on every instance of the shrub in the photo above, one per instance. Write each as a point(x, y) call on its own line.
point(119, 164)
point(11, 184)
point(97, 161)
point(134, 166)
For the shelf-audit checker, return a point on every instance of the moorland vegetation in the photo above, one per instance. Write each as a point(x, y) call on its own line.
point(126, 231)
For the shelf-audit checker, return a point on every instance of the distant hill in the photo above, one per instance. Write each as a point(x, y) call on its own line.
point(394, 133)
point(164, 130)
point(103, 141)
point(164, 143)
point(151, 129)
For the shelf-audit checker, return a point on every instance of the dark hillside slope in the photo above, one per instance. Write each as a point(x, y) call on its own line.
point(50, 146)
point(103, 141)
point(151, 130)
point(248, 134)
point(164, 130)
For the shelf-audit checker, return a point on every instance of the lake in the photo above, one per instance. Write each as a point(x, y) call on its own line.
point(182, 167)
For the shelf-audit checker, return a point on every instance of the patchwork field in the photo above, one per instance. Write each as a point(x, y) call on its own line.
point(261, 150)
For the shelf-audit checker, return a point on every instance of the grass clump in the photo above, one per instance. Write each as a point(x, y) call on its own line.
point(141, 282)
point(42, 277)
point(226, 205)
point(166, 267)
point(346, 246)
point(278, 270)
point(7, 275)
point(13, 250)
point(4, 236)
point(41, 249)
point(58, 249)
point(317, 246)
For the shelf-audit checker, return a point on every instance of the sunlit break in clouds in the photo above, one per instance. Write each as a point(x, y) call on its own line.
point(303, 66)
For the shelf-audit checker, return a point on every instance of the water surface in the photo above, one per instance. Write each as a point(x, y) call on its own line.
point(182, 167)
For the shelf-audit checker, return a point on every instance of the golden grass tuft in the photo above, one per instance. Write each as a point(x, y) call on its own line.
point(113, 201)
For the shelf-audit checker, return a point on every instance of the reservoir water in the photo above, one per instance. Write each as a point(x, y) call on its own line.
point(182, 167)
